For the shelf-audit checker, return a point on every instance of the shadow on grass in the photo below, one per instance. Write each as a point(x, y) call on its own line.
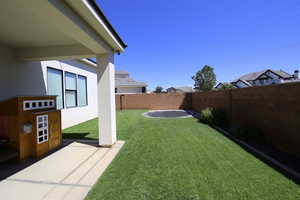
point(78, 136)
point(285, 160)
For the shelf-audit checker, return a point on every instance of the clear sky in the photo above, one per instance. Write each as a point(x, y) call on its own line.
point(169, 40)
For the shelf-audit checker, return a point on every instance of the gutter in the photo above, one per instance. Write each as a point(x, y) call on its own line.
point(95, 6)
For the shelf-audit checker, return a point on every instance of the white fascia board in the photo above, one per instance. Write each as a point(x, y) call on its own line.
point(120, 48)
point(88, 62)
point(72, 24)
point(92, 18)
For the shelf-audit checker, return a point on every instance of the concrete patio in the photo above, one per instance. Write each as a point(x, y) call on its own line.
point(69, 173)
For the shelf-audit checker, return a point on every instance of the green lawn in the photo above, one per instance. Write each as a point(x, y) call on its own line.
point(184, 160)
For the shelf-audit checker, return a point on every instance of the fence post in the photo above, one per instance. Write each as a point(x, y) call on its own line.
point(191, 101)
point(121, 101)
point(230, 106)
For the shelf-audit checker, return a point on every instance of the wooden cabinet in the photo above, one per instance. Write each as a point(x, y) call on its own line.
point(32, 125)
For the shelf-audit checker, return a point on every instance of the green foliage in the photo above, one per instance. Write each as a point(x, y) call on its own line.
point(205, 79)
point(247, 132)
point(220, 117)
point(211, 116)
point(226, 86)
point(206, 116)
point(158, 89)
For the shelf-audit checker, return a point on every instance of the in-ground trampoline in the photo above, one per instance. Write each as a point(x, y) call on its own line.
point(168, 114)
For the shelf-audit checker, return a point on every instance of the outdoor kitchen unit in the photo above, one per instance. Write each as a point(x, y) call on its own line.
point(29, 126)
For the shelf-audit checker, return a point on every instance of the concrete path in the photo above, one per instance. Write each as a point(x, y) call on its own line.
point(66, 174)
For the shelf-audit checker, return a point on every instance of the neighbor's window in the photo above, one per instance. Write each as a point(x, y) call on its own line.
point(55, 85)
point(71, 89)
point(82, 90)
point(261, 81)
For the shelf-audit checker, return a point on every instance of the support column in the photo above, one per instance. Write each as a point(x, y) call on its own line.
point(106, 99)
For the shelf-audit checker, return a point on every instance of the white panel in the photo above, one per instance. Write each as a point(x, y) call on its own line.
point(38, 104)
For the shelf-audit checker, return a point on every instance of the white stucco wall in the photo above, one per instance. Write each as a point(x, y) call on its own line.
point(129, 90)
point(73, 116)
point(19, 78)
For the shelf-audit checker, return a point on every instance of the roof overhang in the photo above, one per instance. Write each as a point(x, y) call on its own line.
point(56, 29)
point(90, 11)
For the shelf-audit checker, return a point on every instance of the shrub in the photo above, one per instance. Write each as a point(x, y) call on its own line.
point(219, 117)
point(246, 132)
point(213, 116)
point(206, 116)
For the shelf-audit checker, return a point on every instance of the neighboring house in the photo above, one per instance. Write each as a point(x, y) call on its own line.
point(126, 85)
point(222, 85)
point(183, 89)
point(265, 77)
point(31, 46)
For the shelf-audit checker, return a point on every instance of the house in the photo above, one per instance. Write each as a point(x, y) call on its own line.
point(126, 85)
point(224, 85)
point(265, 77)
point(182, 89)
point(220, 85)
point(42, 44)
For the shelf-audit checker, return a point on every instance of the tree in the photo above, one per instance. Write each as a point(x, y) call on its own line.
point(158, 89)
point(205, 79)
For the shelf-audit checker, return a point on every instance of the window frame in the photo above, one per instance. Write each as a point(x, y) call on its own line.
point(62, 85)
point(76, 88)
point(86, 92)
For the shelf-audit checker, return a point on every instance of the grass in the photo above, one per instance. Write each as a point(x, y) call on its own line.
point(181, 159)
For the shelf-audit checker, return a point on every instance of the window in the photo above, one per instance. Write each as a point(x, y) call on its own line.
point(71, 90)
point(82, 91)
point(42, 128)
point(55, 85)
point(261, 81)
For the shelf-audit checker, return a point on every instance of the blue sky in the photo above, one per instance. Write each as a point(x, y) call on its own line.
point(168, 41)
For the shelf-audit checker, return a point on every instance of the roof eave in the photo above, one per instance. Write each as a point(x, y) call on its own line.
point(101, 15)
point(91, 13)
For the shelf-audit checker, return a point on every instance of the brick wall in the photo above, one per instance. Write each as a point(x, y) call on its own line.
point(213, 99)
point(274, 109)
point(153, 101)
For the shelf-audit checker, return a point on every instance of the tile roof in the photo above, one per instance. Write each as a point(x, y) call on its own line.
point(254, 75)
point(129, 82)
point(185, 88)
point(121, 72)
